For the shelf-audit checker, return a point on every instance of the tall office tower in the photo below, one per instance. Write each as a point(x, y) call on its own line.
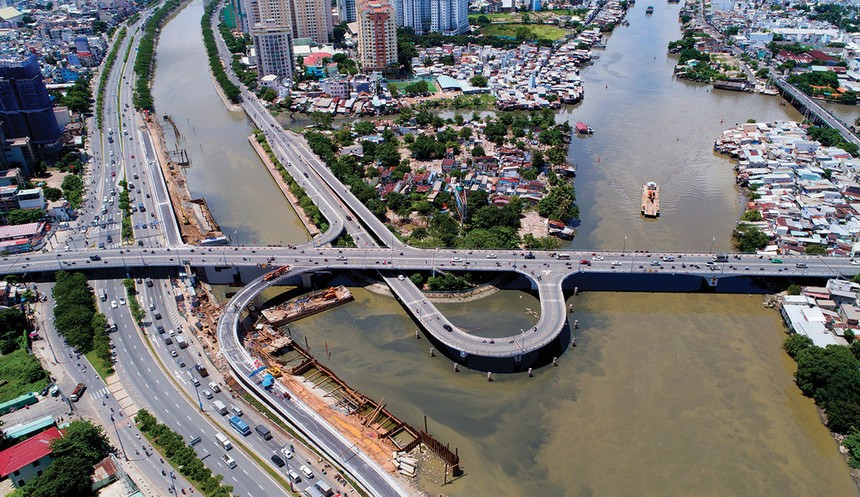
point(312, 19)
point(449, 17)
point(274, 52)
point(346, 10)
point(377, 35)
point(270, 24)
point(25, 107)
point(413, 14)
point(269, 13)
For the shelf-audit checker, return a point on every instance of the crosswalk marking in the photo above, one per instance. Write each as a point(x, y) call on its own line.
point(99, 393)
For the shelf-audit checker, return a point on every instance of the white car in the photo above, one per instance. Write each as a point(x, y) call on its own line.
point(456, 259)
point(491, 256)
point(122, 301)
point(616, 263)
point(401, 277)
point(855, 263)
point(287, 454)
point(113, 304)
point(597, 258)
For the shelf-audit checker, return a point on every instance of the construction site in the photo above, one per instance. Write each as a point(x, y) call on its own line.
point(391, 442)
point(196, 222)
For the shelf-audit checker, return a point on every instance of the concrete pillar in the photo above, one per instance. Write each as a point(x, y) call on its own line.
point(306, 280)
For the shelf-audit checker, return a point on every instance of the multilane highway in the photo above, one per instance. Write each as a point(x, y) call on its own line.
point(378, 249)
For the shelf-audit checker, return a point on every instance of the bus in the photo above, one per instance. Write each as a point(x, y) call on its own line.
point(239, 425)
point(563, 257)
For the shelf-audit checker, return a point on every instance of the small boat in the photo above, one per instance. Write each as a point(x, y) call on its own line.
point(650, 199)
point(649, 10)
point(583, 129)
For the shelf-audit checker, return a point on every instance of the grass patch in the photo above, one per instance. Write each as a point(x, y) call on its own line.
point(103, 368)
point(23, 374)
point(540, 31)
point(400, 85)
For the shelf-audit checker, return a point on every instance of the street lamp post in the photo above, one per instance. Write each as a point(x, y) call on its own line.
point(714, 239)
point(199, 402)
point(624, 246)
point(113, 420)
point(236, 232)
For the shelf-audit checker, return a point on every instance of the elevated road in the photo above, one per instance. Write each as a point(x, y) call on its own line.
point(822, 114)
point(546, 272)
point(337, 448)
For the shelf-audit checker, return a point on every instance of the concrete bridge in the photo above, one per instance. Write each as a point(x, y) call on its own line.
point(812, 109)
point(550, 276)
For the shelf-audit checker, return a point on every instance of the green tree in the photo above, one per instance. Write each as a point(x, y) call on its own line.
point(815, 250)
point(73, 188)
point(751, 216)
point(417, 279)
point(559, 203)
point(99, 26)
point(52, 194)
point(362, 128)
point(795, 343)
point(24, 216)
point(828, 374)
point(83, 444)
point(748, 238)
point(13, 327)
point(323, 120)
point(268, 94)
point(478, 80)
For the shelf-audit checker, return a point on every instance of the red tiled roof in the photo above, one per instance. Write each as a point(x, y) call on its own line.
point(316, 58)
point(28, 451)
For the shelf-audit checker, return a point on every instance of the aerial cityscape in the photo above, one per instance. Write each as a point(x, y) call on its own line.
point(429, 247)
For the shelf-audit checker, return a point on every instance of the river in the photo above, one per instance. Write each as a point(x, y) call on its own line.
point(225, 170)
point(665, 394)
point(652, 127)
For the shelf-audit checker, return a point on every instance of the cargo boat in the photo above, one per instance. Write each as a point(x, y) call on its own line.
point(650, 199)
point(583, 129)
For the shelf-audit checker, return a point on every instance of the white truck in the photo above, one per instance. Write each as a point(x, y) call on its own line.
point(220, 407)
point(223, 441)
point(180, 340)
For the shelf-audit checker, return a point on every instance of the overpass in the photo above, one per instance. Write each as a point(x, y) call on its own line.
point(548, 275)
point(812, 110)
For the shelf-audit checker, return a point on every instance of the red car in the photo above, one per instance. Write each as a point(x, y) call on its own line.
point(113, 173)
point(585, 262)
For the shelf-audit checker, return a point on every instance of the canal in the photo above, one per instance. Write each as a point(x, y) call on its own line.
point(225, 170)
point(665, 394)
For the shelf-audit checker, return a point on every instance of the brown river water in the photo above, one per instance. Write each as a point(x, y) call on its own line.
point(665, 394)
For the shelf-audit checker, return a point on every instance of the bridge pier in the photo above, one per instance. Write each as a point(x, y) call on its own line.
point(307, 280)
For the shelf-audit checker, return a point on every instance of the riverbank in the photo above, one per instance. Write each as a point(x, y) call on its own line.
point(311, 228)
point(194, 219)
